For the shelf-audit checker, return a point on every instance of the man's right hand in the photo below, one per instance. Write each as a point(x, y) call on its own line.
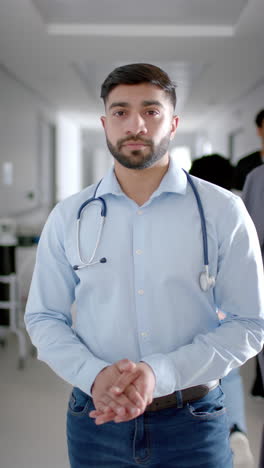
point(127, 397)
point(112, 406)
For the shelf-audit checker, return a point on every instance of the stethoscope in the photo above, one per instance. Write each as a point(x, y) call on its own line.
point(205, 280)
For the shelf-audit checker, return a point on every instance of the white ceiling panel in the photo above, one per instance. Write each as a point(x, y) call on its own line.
point(191, 12)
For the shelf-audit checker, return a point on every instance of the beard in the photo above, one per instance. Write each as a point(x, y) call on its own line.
point(139, 159)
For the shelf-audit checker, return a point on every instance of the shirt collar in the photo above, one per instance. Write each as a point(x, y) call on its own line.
point(174, 181)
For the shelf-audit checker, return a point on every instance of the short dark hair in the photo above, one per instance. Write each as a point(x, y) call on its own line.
point(259, 118)
point(137, 73)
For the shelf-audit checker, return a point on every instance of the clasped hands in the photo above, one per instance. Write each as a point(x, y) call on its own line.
point(122, 391)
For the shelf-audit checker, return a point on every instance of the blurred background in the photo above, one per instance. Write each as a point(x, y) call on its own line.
point(54, 55)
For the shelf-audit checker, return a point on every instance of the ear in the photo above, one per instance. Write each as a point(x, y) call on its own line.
point(174, 125)
point(102, 118)
point(259, 132)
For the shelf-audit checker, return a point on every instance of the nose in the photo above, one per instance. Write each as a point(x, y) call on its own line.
point(136, 125)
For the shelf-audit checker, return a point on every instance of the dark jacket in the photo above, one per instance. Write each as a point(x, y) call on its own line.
point(244, 166)
point(215, 169)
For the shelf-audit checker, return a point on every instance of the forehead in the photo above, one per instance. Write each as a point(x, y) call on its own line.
point(137, 94)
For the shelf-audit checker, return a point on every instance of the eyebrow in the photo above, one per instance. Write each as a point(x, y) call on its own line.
point(119, 104)
point(152, 103)
point(144, 104)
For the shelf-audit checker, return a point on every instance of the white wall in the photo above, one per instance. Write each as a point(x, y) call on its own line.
point(96, 157)
point(239, 117)
point(68, 157)
point(21, 113)
point(185, 139)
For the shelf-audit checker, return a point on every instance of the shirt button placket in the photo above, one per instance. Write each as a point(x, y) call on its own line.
point(139, 268)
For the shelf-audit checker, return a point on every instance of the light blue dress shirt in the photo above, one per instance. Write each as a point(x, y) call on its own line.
point(146, 303)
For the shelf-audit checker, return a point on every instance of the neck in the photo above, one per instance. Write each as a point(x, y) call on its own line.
point(139, 184)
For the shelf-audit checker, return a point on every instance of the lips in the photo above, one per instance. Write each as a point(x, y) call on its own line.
point(135, 144)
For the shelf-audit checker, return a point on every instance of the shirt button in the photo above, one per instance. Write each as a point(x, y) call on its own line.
point(143, 334)
point(138, 251)
point(140, 212)
point(141, 292)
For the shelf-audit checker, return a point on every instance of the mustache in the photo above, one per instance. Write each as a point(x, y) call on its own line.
point(133, 138)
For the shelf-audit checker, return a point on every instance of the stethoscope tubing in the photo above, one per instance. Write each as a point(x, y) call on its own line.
point(205, 280)
point(202, 217)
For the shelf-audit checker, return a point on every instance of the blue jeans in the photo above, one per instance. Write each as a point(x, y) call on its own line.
point(232, 386)
point(196, 435)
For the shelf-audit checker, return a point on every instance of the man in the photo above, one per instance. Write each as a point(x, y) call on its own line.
point(243, 168)
point(250, 162)
point(147, 349)
point(253, 196)
point(214, 168)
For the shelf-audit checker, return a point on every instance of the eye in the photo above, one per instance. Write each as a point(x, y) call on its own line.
point(152, 112)
point(119, 113)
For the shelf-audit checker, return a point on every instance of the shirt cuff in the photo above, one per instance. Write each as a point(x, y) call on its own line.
point(164, 370)
point(88, 374)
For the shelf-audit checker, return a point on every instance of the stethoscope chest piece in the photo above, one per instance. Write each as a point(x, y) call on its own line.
point(206, 281)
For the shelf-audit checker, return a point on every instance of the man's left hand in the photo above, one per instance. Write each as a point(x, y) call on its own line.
point(142, 382)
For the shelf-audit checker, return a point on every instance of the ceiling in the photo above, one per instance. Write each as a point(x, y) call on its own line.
point(63, 49)
point(143, 12)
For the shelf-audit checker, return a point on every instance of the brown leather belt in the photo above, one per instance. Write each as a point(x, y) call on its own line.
point(180, 398)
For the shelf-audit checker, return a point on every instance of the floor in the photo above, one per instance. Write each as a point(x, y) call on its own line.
point(33, 407)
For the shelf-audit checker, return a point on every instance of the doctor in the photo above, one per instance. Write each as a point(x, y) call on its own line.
point(147, 350)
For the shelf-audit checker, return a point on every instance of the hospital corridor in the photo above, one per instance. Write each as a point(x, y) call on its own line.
point(131, 234)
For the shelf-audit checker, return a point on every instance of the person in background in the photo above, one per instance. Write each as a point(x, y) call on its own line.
point(253, 197)
point(216, 169)
point(243, 168)
point(147, 349)
point(253, 160)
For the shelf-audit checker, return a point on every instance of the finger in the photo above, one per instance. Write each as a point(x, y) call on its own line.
point(111, 416)
point(102, 404)
point(119, 404)
point(122, 404)
point(134, 396)
point(126, 365)
point(125, 379)
point(94, 413)
point(104, 418)
point(117, 408)
point(128, 417)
